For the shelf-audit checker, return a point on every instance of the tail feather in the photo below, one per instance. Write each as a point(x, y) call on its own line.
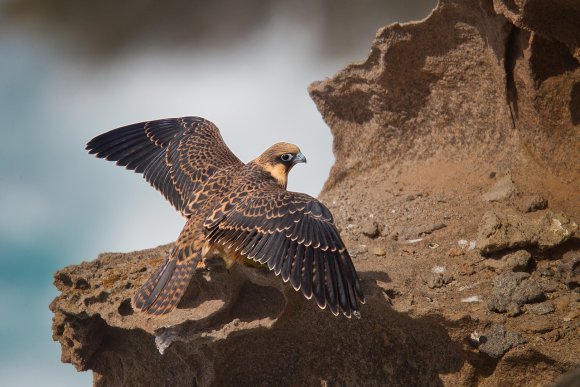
point(164, 289)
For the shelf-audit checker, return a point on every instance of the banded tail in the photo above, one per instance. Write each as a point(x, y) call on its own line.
point(164, 289)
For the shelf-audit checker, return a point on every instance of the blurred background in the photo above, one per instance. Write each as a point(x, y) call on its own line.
point(72, 69)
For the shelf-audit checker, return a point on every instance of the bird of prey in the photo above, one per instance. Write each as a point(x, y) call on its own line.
point(239, 211)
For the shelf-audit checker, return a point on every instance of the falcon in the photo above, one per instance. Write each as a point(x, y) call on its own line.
point(239, 211)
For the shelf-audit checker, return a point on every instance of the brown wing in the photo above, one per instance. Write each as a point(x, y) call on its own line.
point(295, 235)
point(175, 155)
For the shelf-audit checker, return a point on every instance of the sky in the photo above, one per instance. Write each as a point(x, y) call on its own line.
point(62, 83)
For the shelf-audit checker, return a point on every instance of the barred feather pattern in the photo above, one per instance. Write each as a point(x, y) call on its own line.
point(164, 289)
point(175, 155)
point(294, 234)
point(241, 209)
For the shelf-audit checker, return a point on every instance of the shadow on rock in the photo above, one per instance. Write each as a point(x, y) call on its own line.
point(267, 335)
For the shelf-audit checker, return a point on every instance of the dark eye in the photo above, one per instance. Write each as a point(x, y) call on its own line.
point(286, 157)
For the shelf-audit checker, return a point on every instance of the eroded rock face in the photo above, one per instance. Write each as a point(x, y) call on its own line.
point(421, 129)
point(508, 229)
point(242, 327)
point(474, 77)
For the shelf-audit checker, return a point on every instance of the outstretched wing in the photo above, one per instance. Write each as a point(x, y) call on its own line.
point(295, 235)
point(175, 155)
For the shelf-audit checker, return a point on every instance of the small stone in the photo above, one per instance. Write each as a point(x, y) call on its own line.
point(561, 303)
point(493, 264)
point(513, 310)
point(379, 251)
point(573, 315)
point(503, 189)
point(531, 203)
point(496, 341)
point(455, 251)
point(550, 286)
point(536, 326)
point(568, 269)
point(370, 229)
point(508, 229)
point(438, 280)
point(511, 289)
point(359, 250)
point(528, 291)
point(518, 261)
point(465, 268)
point(541, 309)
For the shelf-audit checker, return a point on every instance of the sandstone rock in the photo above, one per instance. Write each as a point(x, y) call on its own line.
point(537, 325)
point(533, 203)
point(379, 251)
point(541, 309)
point(509, 229)
point(228, 320)
point(359, 250)
point(419, 94)
point(370, 229)
point(502, 189)
point(497, 341)
point(558, 23)
point(494, 264)
point(438, 280)
point(456, 251)
point(517, 261)
point(562, 303)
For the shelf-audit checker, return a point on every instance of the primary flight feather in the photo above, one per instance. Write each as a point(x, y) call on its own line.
point(240, 211)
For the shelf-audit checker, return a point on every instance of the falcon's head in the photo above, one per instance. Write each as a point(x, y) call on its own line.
point(279, 159)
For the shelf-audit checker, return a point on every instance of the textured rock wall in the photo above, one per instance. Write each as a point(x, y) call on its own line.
point(239, 328)
point(472, 78)
point(456, 190)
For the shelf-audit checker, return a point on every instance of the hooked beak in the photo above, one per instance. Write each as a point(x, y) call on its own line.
point(299, 158)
